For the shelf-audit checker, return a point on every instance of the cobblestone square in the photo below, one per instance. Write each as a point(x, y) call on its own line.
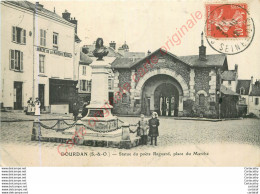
point(174, 136)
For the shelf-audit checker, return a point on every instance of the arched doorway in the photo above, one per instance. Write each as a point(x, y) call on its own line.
point(161, 93)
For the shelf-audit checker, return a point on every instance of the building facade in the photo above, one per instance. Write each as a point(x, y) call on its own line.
point(253, 99)
point(170, 85)
point(40, 46)
point(244, 88)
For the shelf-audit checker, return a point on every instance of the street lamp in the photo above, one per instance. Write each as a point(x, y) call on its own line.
point(219, 102)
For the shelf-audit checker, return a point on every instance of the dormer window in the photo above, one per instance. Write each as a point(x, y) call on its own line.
point(242, 91)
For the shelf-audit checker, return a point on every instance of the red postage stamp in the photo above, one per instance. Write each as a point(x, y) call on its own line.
point(226, 20)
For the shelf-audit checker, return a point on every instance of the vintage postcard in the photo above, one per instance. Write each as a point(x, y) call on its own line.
point(130, 83)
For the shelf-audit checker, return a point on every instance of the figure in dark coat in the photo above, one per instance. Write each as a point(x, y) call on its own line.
point(153, 128)
point(75, 110)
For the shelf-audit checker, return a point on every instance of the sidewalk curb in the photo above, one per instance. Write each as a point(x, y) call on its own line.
point(5, 121)
point(198, 119)
point(205, 119)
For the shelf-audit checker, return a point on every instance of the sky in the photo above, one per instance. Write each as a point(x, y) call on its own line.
point(148, 24)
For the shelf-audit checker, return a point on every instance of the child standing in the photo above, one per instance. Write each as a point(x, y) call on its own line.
point(143, 129)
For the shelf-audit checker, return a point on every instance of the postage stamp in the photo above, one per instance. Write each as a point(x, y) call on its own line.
point(227, 21)
point(229, 27)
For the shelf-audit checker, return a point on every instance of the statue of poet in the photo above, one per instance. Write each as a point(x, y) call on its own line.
point(100, 51)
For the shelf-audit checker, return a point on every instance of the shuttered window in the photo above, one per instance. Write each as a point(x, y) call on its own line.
point(18, 35)
point(16, 60)
point(41, 63)
point(42, 37)
point(88, 86)
point(13, 34)
point(24, 37)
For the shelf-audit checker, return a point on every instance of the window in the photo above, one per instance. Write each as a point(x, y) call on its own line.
point(84, 70)
point(42, 37)
point(83, 85)
point(55, 40)
point(16, 60)
point(229, 82)
point(88, 86)
point(41, 63)
point(256, 101)
point(242, 100)
point(18, 35)
point(242, 91)
point(124, 98)
point(201, 100)
point(110, 84)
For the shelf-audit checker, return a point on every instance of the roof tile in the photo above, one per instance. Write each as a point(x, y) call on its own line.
point(229, 75)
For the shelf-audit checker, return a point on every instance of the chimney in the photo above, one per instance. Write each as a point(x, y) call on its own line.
point(74, 21)
point(66, 15)
point(112, 44)
point(202, 50)
point(148, 52)
point(38, 5)
point(252, 80)
point(251, 85)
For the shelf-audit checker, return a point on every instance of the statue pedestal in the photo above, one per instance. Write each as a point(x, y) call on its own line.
point(99, 115)
point(105, 127)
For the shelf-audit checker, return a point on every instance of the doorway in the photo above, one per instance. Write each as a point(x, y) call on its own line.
point(18, 95)
point(41, 95)
point(167, 97)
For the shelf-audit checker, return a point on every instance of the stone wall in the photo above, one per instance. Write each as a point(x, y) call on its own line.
point(121, 77)
point(204, 84)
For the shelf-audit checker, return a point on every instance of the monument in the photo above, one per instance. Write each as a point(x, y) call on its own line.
point(99, 115)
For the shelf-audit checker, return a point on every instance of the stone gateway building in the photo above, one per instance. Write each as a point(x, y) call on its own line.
point(168, 84)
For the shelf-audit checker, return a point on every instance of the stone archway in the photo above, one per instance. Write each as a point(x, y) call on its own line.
point(182, 85)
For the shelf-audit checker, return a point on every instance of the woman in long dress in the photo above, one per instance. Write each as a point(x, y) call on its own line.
point(37, 105)
point(29, 106)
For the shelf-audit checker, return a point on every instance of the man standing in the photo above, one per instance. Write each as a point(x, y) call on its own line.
point(75, 110)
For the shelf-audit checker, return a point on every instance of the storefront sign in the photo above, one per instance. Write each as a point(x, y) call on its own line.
point(55, 52)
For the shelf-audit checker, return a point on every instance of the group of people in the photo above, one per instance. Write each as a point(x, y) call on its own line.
point(33, 108)
point(143, 126)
